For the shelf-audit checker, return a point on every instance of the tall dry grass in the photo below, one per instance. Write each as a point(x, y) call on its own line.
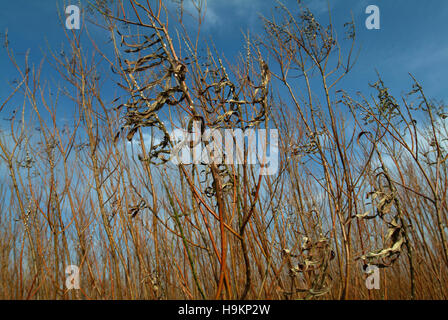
point(361, 180)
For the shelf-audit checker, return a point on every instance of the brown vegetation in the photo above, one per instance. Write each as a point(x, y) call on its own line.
point(360, 180)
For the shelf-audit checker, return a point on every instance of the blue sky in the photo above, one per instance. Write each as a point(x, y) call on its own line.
point(412, 37)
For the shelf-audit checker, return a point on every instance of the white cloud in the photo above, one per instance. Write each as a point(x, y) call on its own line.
point(214, 9)
point(318, 6)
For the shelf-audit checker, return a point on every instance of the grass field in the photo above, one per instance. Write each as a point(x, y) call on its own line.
point(362, 179)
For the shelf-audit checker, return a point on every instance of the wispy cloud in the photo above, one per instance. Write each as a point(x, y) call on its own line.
point(318, 6)
point(219, 13)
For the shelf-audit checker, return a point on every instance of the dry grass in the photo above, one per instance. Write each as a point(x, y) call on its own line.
point(360, 180)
